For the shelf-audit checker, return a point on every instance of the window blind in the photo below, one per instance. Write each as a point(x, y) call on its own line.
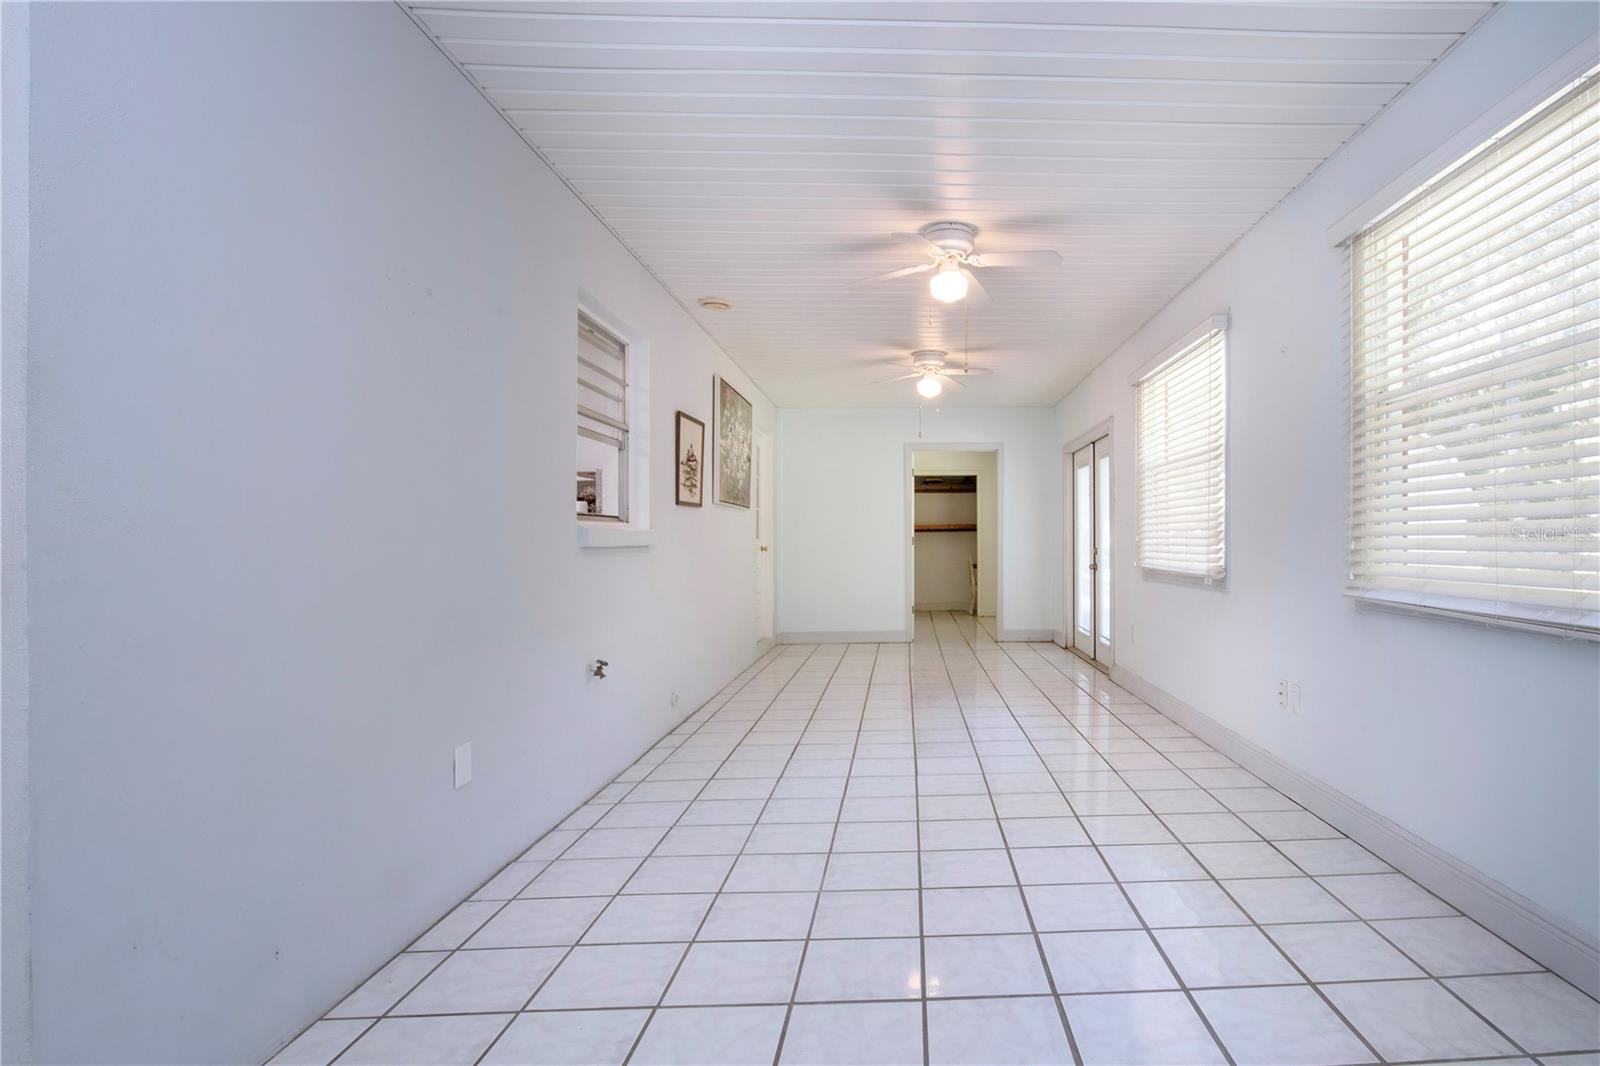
point(1180, 446)
point(602, 385)
point(1475, 381)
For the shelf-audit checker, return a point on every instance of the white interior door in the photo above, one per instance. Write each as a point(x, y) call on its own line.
point(761, 500)
point(1090, 595)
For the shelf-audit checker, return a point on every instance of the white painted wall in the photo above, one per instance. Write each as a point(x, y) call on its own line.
point(957, 548)
point(1484, 743)
point(842, 536)
point(16, 820)
point(943, 560)
point(300, 516)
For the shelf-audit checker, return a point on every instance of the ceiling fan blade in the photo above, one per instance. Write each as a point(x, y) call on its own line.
point(945, 376)
point(902, 272)
point(1041, 257)
point(968, 371)
point(902, 377)
point(922, 243)
point(975, 290)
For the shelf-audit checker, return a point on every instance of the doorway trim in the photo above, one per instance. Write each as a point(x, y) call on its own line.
point(1103, 428)
point(765, 484)
point(908, 529)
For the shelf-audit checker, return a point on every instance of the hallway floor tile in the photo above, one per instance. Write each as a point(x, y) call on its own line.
point(954, 851)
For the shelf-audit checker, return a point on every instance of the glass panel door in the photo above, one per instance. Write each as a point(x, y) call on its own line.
point(1090, 594)
point(1083, 569)
point(1102, 549)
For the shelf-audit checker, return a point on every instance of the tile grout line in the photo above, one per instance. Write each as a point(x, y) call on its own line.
point(773, 659)
point(822, 883)
point(754, 670)
point(1027, 909)
point(916, 800)
point(1265, 931)
point(689, 946)
point(1252, 921)
point(1144, 925)
point(1425, 973)
point(1010, 671)
point(1260, 930)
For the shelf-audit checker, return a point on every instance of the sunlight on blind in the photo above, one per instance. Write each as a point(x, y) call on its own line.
point(1180, 437)
point(602, 381)
point(1475, 381)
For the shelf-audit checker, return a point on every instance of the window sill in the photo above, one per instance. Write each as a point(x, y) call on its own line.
point(1181, 577)
point(596, 535)
point(1377, 601)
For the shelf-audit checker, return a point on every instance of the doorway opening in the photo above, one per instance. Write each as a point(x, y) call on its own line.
point(955, 542)
point(1087, 595)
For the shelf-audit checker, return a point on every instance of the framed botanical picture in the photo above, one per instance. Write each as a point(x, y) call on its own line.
point(735, 426)
point(690, 440)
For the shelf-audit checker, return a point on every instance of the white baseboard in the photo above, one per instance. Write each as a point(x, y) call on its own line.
point(958, 606)
point(1550, 939)
point(863, 636)
point(1024, 634)
point(764, 645)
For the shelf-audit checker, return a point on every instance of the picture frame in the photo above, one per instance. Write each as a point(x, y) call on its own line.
point(735, 429)
point(689, 461)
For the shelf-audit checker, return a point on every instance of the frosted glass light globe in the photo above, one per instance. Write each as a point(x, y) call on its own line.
point(949, 284)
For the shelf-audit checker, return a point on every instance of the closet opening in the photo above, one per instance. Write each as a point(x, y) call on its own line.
point(954, 532)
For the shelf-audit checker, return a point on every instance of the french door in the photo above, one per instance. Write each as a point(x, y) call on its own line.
point(1090, 596)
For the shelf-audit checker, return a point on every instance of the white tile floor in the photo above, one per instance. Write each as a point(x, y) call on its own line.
point(954, 852)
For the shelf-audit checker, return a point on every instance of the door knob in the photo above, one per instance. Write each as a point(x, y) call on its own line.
point(763, 547)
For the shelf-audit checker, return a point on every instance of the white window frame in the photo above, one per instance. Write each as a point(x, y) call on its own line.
point(1181, 348)
point(1506, 613)
point(635, 530)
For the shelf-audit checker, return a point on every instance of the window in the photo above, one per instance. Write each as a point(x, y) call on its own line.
point(1180, 457)
point(602, 423)
point(1475, 382)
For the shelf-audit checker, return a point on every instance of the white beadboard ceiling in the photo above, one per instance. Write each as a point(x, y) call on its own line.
point(763, 152)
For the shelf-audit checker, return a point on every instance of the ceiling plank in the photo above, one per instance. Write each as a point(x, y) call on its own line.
point(764, 152)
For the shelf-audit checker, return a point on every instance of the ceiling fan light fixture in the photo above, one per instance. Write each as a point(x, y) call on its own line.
point(929, 386)
point(949, 284)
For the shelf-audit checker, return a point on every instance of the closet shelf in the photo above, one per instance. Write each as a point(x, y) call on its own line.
point(968, 527)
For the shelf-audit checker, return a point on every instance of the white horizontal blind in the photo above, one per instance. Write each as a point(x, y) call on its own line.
point(1475, 382)
point(602, 422)
point(1180, 458)
point(602, 385)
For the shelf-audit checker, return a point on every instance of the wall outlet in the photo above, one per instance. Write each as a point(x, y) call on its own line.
point(672, 699)
point(463, 764)
point(1294, 698)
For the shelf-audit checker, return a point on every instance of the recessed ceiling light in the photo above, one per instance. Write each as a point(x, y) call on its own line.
point(715, 303)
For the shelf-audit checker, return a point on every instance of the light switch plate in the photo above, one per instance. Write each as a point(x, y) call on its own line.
point(463, 763)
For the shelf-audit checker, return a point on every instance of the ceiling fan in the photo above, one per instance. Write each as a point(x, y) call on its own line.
point(949, 246)
point(932, 372)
